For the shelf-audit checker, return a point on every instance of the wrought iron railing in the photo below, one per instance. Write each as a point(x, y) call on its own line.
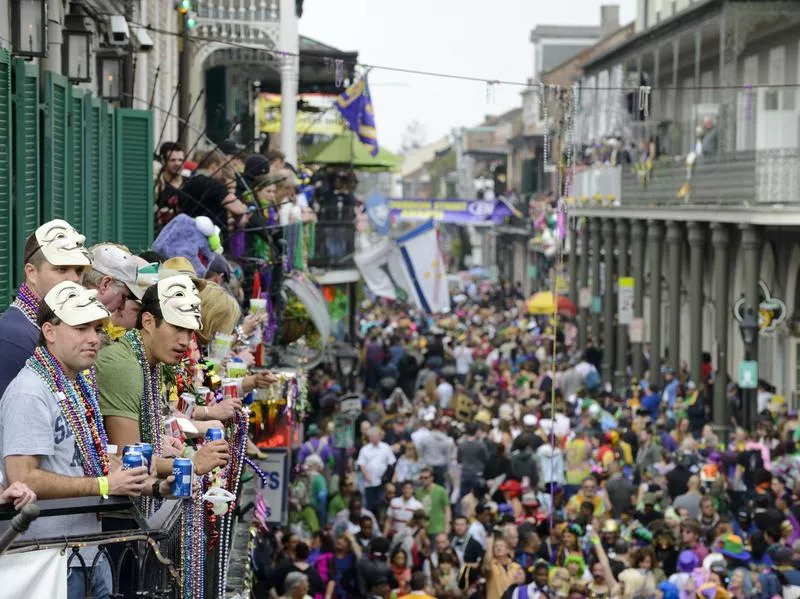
point(334, 244)
point(148, 556)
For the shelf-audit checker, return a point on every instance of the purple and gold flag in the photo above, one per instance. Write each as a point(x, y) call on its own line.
point(355, 105)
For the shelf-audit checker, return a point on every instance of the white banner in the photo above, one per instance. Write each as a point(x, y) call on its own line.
point(423, 264)
point(34, 574)
point(373, 264)
point(276, 489)
point(626, 287)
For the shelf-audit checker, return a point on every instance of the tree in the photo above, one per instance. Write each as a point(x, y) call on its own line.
point(414, 137)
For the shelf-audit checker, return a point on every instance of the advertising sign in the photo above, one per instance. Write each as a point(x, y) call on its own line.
point(276, 489)
point(625, 299)
point(316, 119)
point(450, 211)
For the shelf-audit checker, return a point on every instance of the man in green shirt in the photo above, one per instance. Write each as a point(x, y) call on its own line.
point(436, 503)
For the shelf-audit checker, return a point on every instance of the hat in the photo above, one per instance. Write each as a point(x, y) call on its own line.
point(255, 166)
point(312, 430)
point(483, 417)
point(180, 266)
point(687, 561)
point(61, 244)
point(529, 420)
point(610, 525)
point(113, 261)
point(732, 546)
point(229, 147)
point(711, 590)
point(529, 499)
point(691, 386)
point(75, 305)
point(650, 499)
point(180, 302)
point(782, 555)
point(512, 487)
point(219, 265)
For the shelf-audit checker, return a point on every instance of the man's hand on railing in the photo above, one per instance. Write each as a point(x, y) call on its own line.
point(209, 456)
point(18, 493)
point(127, 482)
point(225, 409)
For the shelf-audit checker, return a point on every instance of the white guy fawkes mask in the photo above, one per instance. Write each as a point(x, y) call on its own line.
point(62, 245)
point(75, 305)
point(180, 302)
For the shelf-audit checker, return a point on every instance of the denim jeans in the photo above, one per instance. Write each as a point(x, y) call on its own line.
point(101, 585)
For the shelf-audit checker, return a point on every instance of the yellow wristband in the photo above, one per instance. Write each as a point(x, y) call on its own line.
point(103, 482)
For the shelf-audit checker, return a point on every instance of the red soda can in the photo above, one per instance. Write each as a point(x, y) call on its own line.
point(230, 389)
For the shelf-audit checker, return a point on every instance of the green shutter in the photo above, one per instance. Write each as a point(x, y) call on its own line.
point(93, 195)
point(56, 157)
point(107, 229)
point(6, 227)
point(76, 180)
point(134, 178)
point(26, 164)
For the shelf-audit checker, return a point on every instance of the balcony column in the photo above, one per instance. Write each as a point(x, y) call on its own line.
point(655, 237)
point(751, 245)
point(720, 239)
point(597, 245)
point(638, 233)
point(697, 243)
point(572, 236)
point(290, 74)
point(583, 283)
point(607, 365)
point(675, 250)
point(621, 366)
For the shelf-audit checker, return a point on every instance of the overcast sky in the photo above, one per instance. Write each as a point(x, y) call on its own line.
point(479, 38)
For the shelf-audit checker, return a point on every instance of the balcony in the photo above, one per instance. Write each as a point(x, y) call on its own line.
point(334, 244)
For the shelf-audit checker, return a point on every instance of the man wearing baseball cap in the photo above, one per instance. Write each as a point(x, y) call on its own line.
point(51, 431)
point(55, 252)
point(116, 275)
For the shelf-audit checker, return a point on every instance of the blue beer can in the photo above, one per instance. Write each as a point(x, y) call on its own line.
point(215, 434)
point(182, 470)
point(147, 452)
point(132, 458)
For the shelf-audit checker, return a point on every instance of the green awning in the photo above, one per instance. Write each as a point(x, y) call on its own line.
point(347, 151)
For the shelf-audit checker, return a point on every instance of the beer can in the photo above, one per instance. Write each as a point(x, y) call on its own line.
point(132, 459)
point(215, 434)
point(147, 452)
point(182, 470)
point(186, 404)
point(205, 395)
point(230, 389)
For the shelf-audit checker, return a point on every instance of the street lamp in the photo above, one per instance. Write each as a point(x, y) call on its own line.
point(110, 69)
point(748, 328)
point(346, 362)
point(29, 27)
point(77, 48)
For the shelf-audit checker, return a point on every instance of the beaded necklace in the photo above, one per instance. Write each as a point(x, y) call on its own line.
point(79, 406)
point(28, 303)
point(150, 423)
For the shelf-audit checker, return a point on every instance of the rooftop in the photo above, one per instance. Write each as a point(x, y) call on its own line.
point(565, 31)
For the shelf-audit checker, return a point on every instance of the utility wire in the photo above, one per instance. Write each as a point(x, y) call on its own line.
point(325, 60)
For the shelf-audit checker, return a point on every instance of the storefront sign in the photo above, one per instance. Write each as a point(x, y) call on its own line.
point(318, 120)
point(276, 487)
point(450, 211)
point(625, 297)
point(771, 310)
point(585, 298)
point(344, 431)
point(748, 374)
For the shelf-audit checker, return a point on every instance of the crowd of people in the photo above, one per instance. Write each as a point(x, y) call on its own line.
point(490, 461)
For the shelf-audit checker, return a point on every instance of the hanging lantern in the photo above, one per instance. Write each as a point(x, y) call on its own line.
point(29, 27)
point(77, 48)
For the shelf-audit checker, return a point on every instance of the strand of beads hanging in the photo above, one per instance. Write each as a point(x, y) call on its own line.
point(78, 404)
point(233, 479)
point(28, 303)
point(192, 544)
point(151, 420)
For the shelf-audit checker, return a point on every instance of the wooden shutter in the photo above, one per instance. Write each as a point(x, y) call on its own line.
point(76, 185)
point(56, 156)
point(107, 229)
point(134, 178)
point(93, 195)
point(26, 159)
point(6, 208)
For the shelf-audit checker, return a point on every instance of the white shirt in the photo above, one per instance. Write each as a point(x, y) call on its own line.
point(400, 512)
point(375, 459)
point(478, 532)
point(463, 356)
point(445, 393)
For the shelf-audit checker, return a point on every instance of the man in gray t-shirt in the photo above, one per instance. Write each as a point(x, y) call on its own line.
point(37, 439)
